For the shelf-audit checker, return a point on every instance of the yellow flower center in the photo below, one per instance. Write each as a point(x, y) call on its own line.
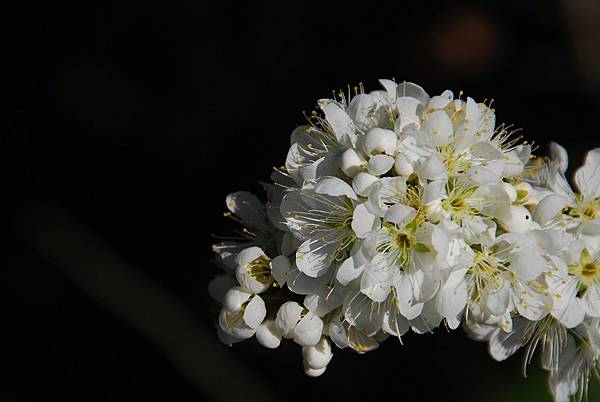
point(260, 269)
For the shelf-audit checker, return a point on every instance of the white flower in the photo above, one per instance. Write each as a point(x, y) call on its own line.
point(327, 217)
point(582, 208)
point(547, 334)
point(577, 363)
point(345, 335)
point(576, 288)
point(508, 274)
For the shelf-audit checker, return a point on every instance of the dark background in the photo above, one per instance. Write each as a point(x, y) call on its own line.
point(138, 119)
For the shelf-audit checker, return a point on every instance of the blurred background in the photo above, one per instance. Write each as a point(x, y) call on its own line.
point(128, 125)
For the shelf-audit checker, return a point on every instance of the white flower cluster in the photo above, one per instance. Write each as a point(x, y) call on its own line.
point(399, 211)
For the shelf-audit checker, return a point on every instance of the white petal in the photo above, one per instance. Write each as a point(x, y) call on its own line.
point(309, 330)
point(498, 300)
point(559, 154)
point(431, 168)
point(376, 280)
point(380, 164)
point(235, 297)
point(502, 345)
point(390, 87)
point(513, 166)
point(247, 207)
point(412, 90)
point(439, 128)
point(364, 222)
point(531, 304)
point(335, 187)
point(591, 300)
point(314, 372)
point(400, 214)
point(489, 174)
point(485, 150)
point(548, 208)
point(405, 300)
point(528, 265)
point(314, 256)
point(441, 101)
point(407, 112)
point(255, 312)
point(362, 183)
point(351, 163)
point(587, 177)
point(319, 355)
point(380, 140)
point(515, 219)
point(280, 268)
point(452, 297)
point(403, 166)
point(429, 319)
point(348, 271)
point(394, 323)
point(337, 332)
point(433, 192)
point(303, 284)
point(233, 324)
point(590, 228)
point(268, 335)
point(565, 307)
point(338, 119)
point(326, 300)
point(369, 110)
point(360, 311)
point(287, 318)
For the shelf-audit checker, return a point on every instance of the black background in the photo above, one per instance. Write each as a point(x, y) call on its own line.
point(139, 118)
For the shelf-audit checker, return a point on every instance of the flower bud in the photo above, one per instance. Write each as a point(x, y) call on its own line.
point(309, 330)
point(380, 140)
point(268, 335)
point(516, 218)
point(318, 356)
point(287, 318)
